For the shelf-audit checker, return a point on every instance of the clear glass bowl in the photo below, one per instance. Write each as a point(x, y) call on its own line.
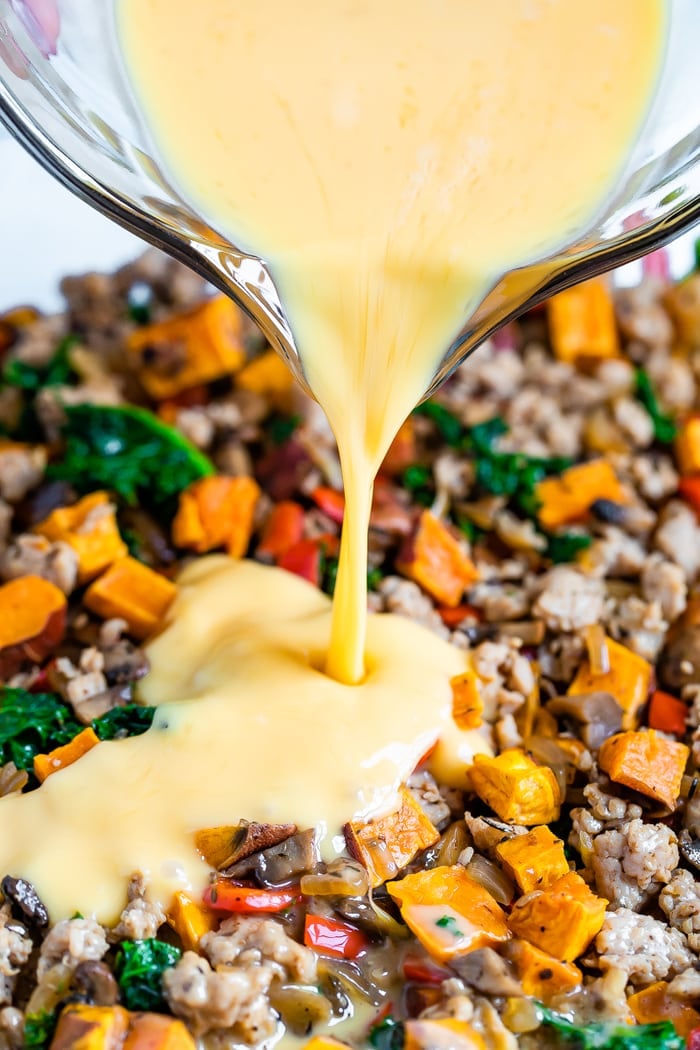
point(65, 97)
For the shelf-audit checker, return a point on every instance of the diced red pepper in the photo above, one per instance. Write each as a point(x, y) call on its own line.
point(228, 896)
point(422, 970)
point(667, 713)
point(657, 264)
point(331, 937)
point(283, 529)
point(303, 559)
point(454, 617)
point(694, 1039)
point(689, 489)
point(331, 502)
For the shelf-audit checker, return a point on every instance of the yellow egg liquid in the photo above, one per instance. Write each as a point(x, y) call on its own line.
point(389, 161)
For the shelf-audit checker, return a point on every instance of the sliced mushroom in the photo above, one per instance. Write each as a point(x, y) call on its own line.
point(301, 1007)
point(280, 864)
point(486, 971)
point(690, 849)
point(124, 662)
point(224, 846)
point(25, 900)
point(95, 706)
point(679, 664)
point(597, 715)
point(94, 982)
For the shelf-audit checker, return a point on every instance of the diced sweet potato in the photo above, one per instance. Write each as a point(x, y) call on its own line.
point(629, 681)
point(467, 703)
point(449, 911)
point(565, 498)
point(437, 561)
point(189, 920)
point(191, 349)
point(402, 450)
point(561, 920)
point(85, 1027)
point(688, 446)
point(157, 1032)
point(216, 512)
point(533, 860)
point(516, 788)
point(324, 1042)
point(133, 592)
point(223, 846)
point(32, 622)
point(90, 528)
point(582, 322)
point(270, 377)
point(448, 1033)
point(389, 843)
point(541, 975)
point(654, 1004)
point(60, 757)
point(683, 303)
point(646, 762)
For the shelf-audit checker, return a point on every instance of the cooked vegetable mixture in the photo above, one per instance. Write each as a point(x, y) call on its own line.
point(542, 512)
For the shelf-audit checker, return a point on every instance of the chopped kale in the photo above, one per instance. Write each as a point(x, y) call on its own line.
point(56, 373)
point(696, 254)
point(281, 428)
point(566, 546)
point(130, 452)
point(139, 302)
point(32, 724)
point(418, 480)
point(448, 425)
point(387, 1035)
point(130, 720)
point(602, 1036)
point(374, 578)
point(664, 427)
point(329, 573)
point(35, 723)
point(39, 1029)
point(139, 968)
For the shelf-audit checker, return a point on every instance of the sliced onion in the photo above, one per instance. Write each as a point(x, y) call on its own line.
point(548, 753)
point(597, 648)
point(386, 923)
point(344, 878)
point(492, 878)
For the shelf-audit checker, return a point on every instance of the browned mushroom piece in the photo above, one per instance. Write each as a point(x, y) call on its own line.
point(597, 715)
point(95, 983)
point(486, 971)
point(26, 902)
point(679, 664)
point(225, 846)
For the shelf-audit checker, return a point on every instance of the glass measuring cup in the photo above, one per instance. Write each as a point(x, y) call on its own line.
point(64, 95)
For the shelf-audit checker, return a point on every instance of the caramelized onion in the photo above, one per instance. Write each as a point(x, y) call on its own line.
point(453, 842)
point(492, 878)
point(343, 878)
point(597, 648)
point(548, 753)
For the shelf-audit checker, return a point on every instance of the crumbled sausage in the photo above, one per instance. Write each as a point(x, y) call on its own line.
point(680, 901)
point(70, 942)
point(56, 561)
point(253, 940)
point(21, 469)
point(631, 863)
point(645, 948)
point(15, 949)
point(569, 600)
point(141, 918)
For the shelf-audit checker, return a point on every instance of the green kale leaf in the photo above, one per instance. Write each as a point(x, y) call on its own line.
point(602, 1036)
point(665, 428)
point(57, 372)
point(130, 452)
point(39, 1029)
point(387, 1035)
point(130, 720)
point(139, 968)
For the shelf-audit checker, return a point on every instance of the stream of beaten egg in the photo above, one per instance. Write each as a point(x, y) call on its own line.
point(389, 161)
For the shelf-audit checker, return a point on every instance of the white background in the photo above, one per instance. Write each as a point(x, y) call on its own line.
point(46, 232)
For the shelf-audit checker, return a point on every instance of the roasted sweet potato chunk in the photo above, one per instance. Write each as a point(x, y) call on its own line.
point(388, 844)
point(32, 622)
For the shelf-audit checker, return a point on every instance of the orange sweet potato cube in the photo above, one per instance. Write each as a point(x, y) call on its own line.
point(582, 322)
point(646, 762)
point(561, 920)
point(389, 843)
point(189, 920)
point(190, 349)
point(541, 975)
point(133, 592)
point(437, 561)
point(90, 528)
point(565, 498)
point(216, 512)
point(516, 788)
point(534, 860)
point(629, 680)
point(467, 704)
point(447, 1032)
point(688, 446)
point(654, 1004)
point(449, 911)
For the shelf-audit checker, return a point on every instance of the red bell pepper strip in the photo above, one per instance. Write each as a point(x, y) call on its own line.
point(689, 489)
point(227, 896)
point(303, 559)
point(283, 529)
point(693, 1042)
point(331, 502)
point(423, 970)
point(667, 713)
point(331, 937)
point(453, 617)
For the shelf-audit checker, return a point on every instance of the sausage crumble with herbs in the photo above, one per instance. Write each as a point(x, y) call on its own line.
point(541, 512)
